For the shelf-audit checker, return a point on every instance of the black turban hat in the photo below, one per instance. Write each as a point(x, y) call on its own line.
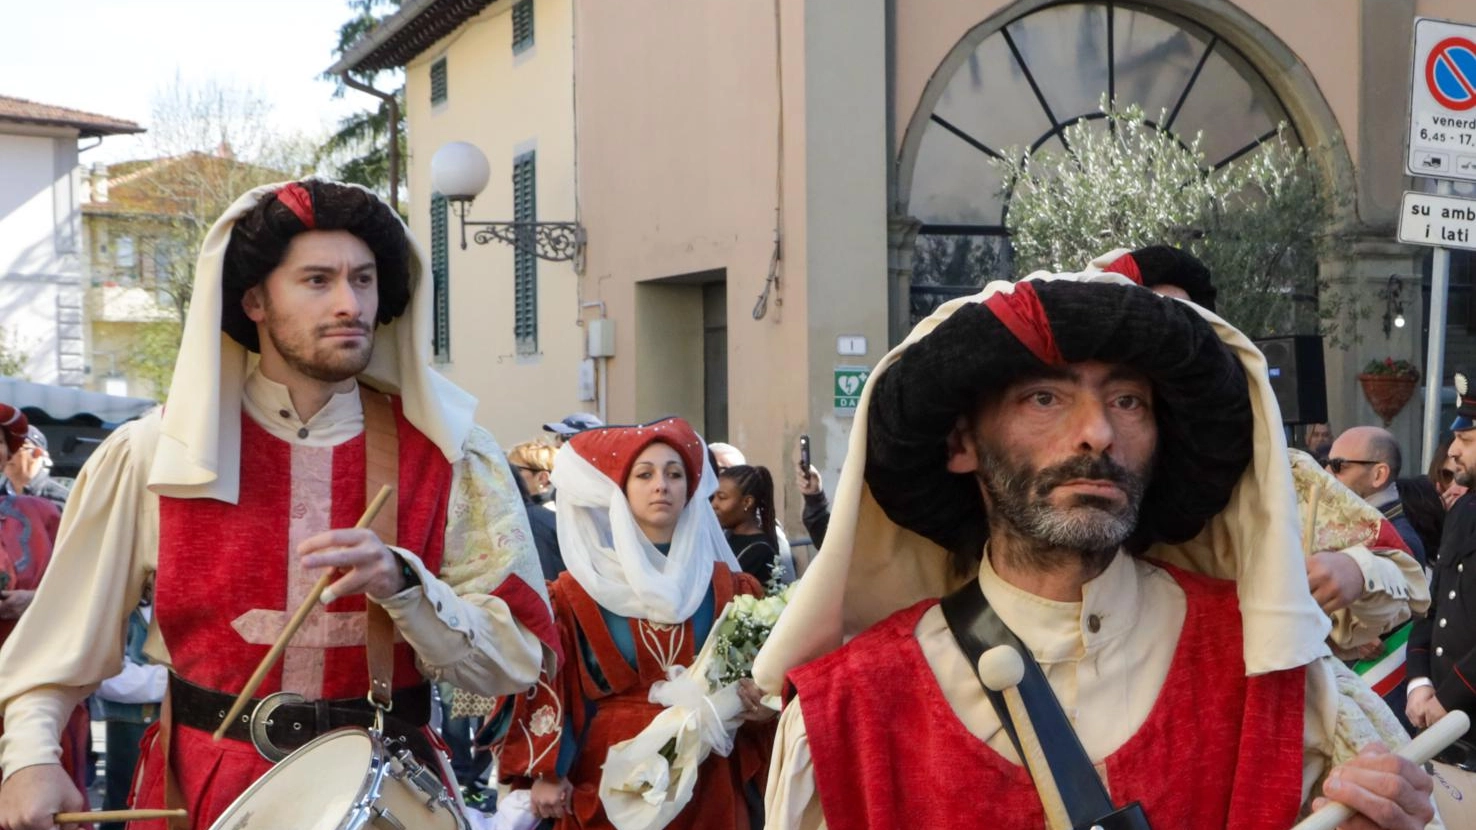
point(1201, 403)
point(260, 238)
point(1164, 265)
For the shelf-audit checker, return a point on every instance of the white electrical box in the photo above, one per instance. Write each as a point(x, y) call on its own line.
point(853, 345)
point(601, 337)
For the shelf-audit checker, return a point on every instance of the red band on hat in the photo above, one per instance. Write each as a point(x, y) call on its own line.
point(299, 201)
point(1021, 312)
point(1127, 266)
point(613, 450)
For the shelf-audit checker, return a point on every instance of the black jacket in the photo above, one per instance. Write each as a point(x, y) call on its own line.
point(1442, 646)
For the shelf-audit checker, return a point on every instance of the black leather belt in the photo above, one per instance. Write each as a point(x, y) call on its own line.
point(289, 725)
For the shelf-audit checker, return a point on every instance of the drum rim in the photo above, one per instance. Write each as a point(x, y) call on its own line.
point(368, 793)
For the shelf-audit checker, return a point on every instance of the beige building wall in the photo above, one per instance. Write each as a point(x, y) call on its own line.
point(505, 104)
point(692, 149)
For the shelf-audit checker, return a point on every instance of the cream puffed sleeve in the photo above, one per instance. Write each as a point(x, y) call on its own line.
point(71, 638)
point(791, 800)
point(483, 622)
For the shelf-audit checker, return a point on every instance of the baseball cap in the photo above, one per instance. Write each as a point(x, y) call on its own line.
point(574, 424)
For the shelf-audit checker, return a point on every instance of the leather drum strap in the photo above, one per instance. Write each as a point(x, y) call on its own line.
point(975, 627)
point(381, 467)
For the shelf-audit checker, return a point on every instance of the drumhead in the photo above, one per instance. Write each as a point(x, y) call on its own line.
point(314, 788)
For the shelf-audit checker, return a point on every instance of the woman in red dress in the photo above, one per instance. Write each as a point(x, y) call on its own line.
point(648, 570)
point(28, 526)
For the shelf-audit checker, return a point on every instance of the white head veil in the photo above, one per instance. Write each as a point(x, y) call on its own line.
point(605, 550)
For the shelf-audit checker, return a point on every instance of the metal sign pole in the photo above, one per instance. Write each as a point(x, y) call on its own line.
point(1435, 354)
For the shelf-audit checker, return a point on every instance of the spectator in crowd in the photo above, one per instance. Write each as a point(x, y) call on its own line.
point(1442, 647)
point(725, 456)
point(816, 516)
point(1423, 508)
point(1368, 461)
point(744, 504)
point(544, 525)
point(572, 425)
point(28, 470)
point(649, 570)
point(1442, 474)
point(128, 702)
point(533, 461)
point(28, 527)
point(1319, 441)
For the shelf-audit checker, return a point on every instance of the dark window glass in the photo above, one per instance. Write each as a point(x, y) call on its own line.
point(522, 26)
point(438, 81)
point(525, 262)
point(1049, 68)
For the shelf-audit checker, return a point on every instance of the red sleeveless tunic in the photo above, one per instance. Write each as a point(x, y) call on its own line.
point(228, 579)
point(1218, 750)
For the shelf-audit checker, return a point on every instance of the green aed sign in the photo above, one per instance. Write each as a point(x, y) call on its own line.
point(849, 381)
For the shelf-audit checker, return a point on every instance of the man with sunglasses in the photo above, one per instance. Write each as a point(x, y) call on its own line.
point(1368, 461)
point(1442, 646)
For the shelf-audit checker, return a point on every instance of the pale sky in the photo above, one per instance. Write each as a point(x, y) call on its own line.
point(112, 56)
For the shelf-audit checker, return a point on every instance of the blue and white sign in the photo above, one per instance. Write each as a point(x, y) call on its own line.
point(1442, 103)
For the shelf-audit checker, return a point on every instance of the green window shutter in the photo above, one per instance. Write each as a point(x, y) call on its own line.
point(522, 26)
point(525, 262)
point(438, 81)
point(440, 279)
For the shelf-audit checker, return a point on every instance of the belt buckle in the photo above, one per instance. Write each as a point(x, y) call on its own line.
point(261, 718)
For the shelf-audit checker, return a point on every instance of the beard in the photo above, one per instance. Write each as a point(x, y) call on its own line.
point(316, 358)
point(1463, 476)
point(1091, 526)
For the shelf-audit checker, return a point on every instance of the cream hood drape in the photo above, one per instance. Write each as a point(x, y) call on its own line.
point(200, 442)
point(869, 567)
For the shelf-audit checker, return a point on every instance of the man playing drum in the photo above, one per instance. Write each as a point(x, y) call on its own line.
point(1097, 476)
point(303, 382)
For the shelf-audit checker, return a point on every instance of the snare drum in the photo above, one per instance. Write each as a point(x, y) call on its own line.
point(1455, 785)
point(346, 779)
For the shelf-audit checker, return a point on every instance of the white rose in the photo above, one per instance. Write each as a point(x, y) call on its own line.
point(653, 779)
point(767, 612)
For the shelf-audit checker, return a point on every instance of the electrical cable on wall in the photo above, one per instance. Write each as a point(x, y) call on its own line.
point(771, 281)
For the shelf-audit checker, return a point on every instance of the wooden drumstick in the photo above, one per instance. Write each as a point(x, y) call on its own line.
point(117, 815)
point(1425, 746)
point(297, 620)
point(1001, 669)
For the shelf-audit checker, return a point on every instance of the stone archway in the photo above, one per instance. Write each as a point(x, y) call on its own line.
point(1190, 64)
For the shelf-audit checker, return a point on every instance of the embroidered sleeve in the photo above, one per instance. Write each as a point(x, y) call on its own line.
point(482, 623)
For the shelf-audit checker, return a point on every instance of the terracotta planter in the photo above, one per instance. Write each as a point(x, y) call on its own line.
point(1387, 394)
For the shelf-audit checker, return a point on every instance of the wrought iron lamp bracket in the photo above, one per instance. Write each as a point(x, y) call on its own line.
point(552, 241)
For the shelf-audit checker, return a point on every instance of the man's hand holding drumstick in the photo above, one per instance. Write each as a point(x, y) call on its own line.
point(368, 566)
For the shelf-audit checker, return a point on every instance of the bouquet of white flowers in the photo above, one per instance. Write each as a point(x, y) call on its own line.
point(650, 778)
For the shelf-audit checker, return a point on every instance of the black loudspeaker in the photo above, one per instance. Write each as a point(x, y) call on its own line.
point(1297, 377)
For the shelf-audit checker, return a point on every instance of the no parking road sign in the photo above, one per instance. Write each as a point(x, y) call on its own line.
point(1442, 104)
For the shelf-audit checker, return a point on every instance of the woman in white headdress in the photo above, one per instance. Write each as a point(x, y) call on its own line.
point(648, 572)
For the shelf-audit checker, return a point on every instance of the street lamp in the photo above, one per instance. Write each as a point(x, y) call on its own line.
point(459, 172)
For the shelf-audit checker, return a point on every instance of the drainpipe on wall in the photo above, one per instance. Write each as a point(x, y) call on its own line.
point(394, 133)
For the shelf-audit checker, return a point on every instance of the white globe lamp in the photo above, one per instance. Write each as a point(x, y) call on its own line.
point(459, 171)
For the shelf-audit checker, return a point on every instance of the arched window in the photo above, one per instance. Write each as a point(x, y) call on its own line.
point(1048, 69)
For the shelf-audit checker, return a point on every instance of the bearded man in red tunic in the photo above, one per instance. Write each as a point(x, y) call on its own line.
point(303, 382)
point(1096, 476)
